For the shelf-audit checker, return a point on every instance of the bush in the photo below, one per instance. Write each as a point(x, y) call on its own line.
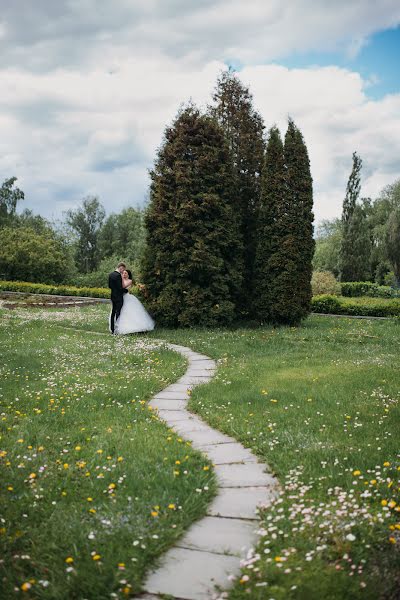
point(324, 282)
point(369, 307)
point(356, 289)
point(325, 303)
point(53, 290)
point(26, 254)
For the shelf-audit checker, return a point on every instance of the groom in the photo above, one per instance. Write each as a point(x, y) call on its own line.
point(117, 293)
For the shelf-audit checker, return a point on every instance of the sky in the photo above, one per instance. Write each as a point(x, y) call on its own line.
point(88, 87)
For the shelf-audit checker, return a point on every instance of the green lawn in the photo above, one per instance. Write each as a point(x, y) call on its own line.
point(93, 486)
point(320, 404)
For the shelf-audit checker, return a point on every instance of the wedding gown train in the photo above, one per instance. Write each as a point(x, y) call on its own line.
point(133, 318)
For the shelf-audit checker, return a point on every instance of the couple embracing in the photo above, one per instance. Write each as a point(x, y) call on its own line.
point(128, 315)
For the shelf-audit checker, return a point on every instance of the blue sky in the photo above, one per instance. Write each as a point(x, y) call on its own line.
point(377, 61)
point(89, 87)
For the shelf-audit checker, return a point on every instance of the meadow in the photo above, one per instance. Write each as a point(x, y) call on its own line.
point(319, 404)
point(93, 486)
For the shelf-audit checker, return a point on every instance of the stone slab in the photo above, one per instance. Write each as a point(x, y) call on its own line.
point(191, 574)
point(223, 536)
point(167, 394)
point(222, 454)
point(245, 475)
point(189, 426)
point(194, 380)
point(240, 503)
point(177, 387)
point(164, 404)
point(211, 436)
point(171, 416)
point(193, 372)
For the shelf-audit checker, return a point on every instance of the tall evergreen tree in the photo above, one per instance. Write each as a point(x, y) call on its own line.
point(347, 251)
point(393, 242)
point(243, 127)
point(270, 229)
point(192, 266)
point(294, 302)
point(359, 245)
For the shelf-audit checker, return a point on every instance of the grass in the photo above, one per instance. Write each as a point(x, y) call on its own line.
point(320, 405)
point(93, 486)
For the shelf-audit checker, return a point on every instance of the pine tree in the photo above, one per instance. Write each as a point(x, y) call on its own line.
point(192, 266)
point(270, 229)
point(347, 252)
point(243, 128)
point(292, 260)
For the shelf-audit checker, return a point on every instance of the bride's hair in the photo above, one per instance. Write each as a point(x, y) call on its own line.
point(129, 273)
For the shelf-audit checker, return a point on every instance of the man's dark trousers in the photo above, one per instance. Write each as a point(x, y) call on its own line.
point(117, 296)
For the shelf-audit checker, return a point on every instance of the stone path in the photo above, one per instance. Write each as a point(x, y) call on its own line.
point(212, 548)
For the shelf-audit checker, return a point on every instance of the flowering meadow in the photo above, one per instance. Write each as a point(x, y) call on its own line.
point(320, 405)
point(93, 486)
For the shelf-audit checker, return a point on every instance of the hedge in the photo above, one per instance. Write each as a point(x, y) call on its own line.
point(355, 289)
point(53, 290)
point(369, 307)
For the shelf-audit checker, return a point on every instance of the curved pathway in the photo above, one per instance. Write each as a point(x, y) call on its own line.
point(212, 548)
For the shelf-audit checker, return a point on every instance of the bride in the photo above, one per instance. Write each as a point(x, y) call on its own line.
point(133, 317)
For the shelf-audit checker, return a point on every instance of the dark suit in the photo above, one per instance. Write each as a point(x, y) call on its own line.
point(117, 296)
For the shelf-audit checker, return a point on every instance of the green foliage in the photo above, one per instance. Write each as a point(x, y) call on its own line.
point(292, 261)
point(270, 251)
point(123, 235)
point(85, 222)
point(192, 266)
point(326, 303)
point(393, 241)
point(53, 290)
point(369, 307)
point(9, 198)
point(27, 255)
point(355, 289)
point(356, 245)
point(324, 282)
point(328, 242)
point(243, 129)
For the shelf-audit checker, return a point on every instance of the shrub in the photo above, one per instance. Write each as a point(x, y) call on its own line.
point(26, 254)
point(326, 303)
point(324, 282)
point(53, 290)
point(355, 289)
point(369, 307)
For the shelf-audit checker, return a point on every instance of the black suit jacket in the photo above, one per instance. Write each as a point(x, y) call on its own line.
point(115, 284)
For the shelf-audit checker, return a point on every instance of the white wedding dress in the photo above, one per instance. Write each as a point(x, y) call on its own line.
point(133, 317)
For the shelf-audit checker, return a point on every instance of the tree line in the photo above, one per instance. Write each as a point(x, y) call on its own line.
point(364, 244)
point(227, 233)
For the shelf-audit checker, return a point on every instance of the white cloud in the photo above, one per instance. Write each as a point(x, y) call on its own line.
point(88, 87)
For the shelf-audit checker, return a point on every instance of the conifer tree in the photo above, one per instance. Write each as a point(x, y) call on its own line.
point(393, 242)
point(293, 260)
point(347, 251)
point(270, 229)
point(192, 266)
point(359, 246)
point(243, 127)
